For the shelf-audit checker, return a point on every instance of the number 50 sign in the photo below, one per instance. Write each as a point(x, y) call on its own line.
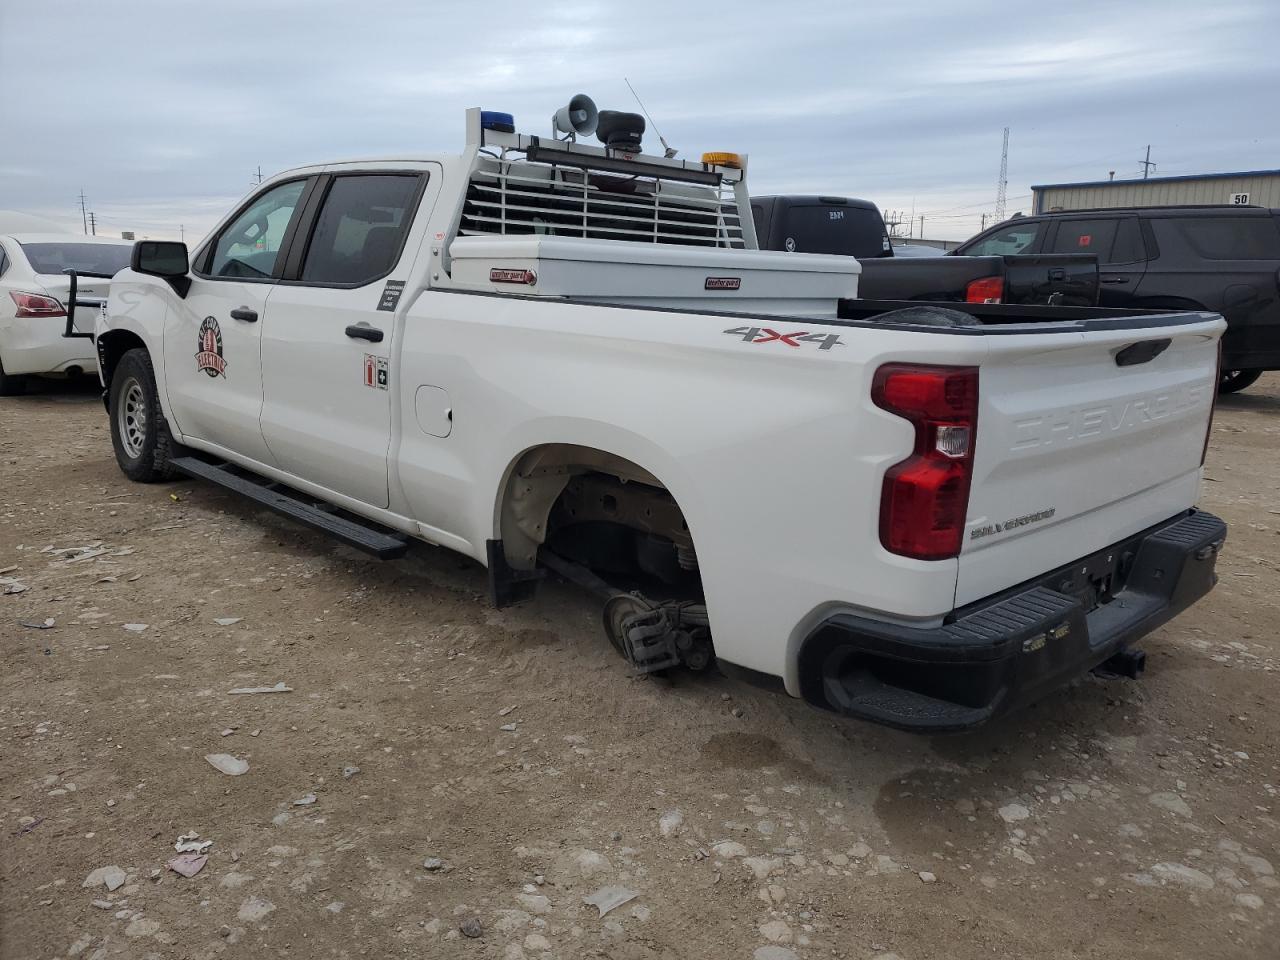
point(1239, 199)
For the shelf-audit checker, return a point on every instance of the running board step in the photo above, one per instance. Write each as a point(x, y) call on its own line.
point(364, 536)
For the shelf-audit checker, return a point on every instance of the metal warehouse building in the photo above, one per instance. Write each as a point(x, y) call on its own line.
point(1259, 187)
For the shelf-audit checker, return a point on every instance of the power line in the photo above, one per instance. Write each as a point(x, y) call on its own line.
point(974, 206)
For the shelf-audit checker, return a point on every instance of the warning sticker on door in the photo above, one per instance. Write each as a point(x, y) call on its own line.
point(391, 295)
point(377, 372)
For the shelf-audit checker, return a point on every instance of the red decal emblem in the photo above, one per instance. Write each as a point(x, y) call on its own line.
point(503, 275)
point(209, 349)
point(1086, 239)
point(825, 341)
point(377, 372)
point(723, 283)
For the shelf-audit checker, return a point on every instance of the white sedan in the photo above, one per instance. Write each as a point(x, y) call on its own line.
point(33, 302)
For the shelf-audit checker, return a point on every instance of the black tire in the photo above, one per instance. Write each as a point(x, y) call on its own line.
point(10, 385)
point(139, 432)
point(1233, 381)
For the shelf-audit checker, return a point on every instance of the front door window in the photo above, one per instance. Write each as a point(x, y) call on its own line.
point(249, 249)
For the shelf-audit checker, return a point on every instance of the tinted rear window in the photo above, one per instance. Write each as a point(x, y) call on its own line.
point(1086, 236)
point(107, 259)
point(847, 231)
point(1243, 238)
point(361, 229)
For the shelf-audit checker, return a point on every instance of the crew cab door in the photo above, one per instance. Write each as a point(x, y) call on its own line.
point(1117, 243)
point(213, 337)
point(329, 344)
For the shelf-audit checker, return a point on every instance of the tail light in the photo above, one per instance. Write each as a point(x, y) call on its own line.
point(37, 305)
point(925, 498)
point(985, 290)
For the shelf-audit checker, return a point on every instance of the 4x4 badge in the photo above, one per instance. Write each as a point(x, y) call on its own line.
point(825, 341)
point(209, 349)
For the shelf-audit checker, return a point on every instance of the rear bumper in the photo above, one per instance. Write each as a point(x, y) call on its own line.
point(36, 345)
point(1008, 650)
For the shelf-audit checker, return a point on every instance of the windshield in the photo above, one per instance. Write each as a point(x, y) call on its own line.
point(103, 259)
point(830, 228)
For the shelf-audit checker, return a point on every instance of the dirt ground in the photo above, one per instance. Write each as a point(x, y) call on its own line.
point(509, 765)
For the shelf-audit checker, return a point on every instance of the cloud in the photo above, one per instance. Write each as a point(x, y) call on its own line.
point(165, 110)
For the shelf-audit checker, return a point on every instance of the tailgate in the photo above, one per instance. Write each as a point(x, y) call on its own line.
point(1082, 440)
point(1068, 279)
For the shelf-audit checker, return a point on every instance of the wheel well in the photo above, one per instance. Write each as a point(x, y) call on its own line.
point(555, 487)
point(113, 345)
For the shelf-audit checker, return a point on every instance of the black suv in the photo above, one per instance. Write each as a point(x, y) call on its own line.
point(1220, 258)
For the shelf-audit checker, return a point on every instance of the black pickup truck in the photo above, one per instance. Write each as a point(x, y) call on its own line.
point(1224, 258)
point(854, 228)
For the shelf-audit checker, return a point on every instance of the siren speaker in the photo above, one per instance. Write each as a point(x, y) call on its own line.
point(579, 116)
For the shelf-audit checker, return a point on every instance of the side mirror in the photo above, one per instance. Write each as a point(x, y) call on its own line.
point(166, 259)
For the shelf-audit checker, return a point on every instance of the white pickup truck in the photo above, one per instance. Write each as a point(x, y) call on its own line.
point(549, 355)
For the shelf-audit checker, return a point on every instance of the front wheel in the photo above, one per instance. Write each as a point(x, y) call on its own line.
point(139, 432)
point(1233, 381)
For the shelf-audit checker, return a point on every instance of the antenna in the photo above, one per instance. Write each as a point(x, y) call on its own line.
point(1003, 187)
point(666, 147)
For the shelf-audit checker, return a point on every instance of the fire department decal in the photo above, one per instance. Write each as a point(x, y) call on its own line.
point(825, 341)
point(377, 372)
point(209, 349)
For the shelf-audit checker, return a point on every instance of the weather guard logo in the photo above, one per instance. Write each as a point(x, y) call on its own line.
point(209, 349)
point(723, 283)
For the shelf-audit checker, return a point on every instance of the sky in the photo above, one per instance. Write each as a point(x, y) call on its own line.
point(163, 112)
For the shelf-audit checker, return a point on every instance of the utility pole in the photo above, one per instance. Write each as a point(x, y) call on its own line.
point(922, 226)
point(258, 176)
point(93, 223)
point(182, 233)
point(984, 223)
point(1147, 164)
point(84, 219)
point(1003, 185)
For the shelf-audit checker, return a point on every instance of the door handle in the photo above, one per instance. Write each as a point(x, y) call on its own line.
point(245, 314)
point(1115, 279)
point(362, 331)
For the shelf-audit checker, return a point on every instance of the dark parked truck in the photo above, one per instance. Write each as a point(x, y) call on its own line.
point(1220, 258)
point(855, 228)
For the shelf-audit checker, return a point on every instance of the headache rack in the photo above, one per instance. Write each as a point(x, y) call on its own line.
point(524, 185)
point(521, 197)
